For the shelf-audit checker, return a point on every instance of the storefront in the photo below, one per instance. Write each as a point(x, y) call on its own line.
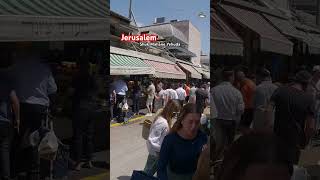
point(63, 32)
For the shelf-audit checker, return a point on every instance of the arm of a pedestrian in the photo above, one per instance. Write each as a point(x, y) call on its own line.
point(156, 136)
point(16, 108)
point(241, 105)
point(164, 159)
point(203, 166)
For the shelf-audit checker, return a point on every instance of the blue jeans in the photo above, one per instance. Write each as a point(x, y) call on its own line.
point(151, 165)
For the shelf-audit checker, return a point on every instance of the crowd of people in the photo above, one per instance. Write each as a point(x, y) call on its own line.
point(157, 95)
point(28, 95)
point(275, 122)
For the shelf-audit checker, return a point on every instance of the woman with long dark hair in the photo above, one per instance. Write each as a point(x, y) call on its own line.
point(182, 147)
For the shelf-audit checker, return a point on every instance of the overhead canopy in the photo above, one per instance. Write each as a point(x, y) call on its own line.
point(126, 65)
point(271, 40)
point(166, 70)
point(205, 73)
point(224, 41)
point(288, 28)
point(190, 69)
point(54, 20)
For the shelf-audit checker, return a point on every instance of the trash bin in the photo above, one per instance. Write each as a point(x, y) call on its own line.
point(146, 128)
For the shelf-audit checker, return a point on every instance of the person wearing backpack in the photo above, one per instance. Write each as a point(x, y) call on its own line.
point(294, 114)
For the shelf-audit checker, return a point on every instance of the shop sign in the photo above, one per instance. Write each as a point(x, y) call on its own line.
point(44, 29)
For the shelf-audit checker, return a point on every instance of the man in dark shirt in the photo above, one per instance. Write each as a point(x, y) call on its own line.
point(201, 98)
point(294, 122)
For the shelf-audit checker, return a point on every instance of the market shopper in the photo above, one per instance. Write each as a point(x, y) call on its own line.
point(136, 95)
point(151, 92)
point(170, 94)
point(202, 98)
point(158, 130)
point(160, 97)
point(314, 90)
point(181, 94)
point(36, 89)
point(119, 90)
point(261, 100)
point(247, 88)
point(256, 156)
point(181, 148)
point(187, 89)
point(294, 116)
point(8, 119)
point(192, 96)
point(229, 107)
point(83, 120)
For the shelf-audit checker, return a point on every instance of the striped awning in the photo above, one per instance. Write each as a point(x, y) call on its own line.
point(271, 40)
point(166, 70)
point(205, 73)
point(54, 20)
point(127, 65)
point(191, 70)
point(61, 8)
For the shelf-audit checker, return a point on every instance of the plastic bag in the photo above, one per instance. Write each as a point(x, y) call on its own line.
point(48, 146)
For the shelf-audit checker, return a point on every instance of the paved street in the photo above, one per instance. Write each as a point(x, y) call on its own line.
point(128, 150)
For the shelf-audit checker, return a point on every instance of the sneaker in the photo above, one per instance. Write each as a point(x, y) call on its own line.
point(148, 114)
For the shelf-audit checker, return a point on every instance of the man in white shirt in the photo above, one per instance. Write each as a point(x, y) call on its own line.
point(36, 89)
point(151, 92)
point(181, 94)
point(192, 98)
point(229, 106)
point(119, 89)
point(170, 94)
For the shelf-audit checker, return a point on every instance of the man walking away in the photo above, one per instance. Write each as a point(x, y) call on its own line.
point(119, 89)
point(294, 115)
point(229, 107)
point(187, 88)
point(192, 96)
point(181, 94)
point(247, 89)
point(36, 89)
point(262, 97)
point(201, 98)
point(151, 92)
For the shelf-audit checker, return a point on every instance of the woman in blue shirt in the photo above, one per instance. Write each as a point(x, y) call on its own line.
point(181, 148)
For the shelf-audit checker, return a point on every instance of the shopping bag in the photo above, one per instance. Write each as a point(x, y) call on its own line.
point(48, 145)
point(140, 175)
point(146, 129)
point(263, 118)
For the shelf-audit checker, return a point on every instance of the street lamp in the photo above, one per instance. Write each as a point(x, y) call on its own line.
point(202, 15)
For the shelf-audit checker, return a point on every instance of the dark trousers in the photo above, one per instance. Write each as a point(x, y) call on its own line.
point(181, 102)
point(32, 117)
point(117, 110)
point(136, 103)
point(5, 149)
point(83, 134)
point(246, 118)
point(225, 134)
